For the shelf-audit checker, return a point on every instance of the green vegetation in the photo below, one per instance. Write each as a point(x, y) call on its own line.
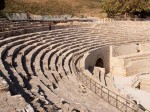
point(97, 8)
point(140, 8)
point(55, 7)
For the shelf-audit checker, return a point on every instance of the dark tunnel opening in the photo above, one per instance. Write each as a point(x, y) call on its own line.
point(100, 63)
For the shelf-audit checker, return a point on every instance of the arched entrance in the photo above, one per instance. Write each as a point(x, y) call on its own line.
point(101, 70)
point(99, 63)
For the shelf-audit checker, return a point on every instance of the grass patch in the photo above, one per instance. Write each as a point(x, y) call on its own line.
point(55, 7)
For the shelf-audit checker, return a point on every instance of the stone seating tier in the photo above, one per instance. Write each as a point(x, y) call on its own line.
point(40, 64)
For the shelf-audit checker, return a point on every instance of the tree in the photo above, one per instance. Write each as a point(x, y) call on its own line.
point(129, 7)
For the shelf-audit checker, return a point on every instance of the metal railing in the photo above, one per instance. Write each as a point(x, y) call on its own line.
point(121, 103)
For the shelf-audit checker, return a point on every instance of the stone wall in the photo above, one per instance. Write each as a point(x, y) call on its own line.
point(145, 47)
point(119, 50)
point(103, 53)
point(138, 67)
point(130, 59)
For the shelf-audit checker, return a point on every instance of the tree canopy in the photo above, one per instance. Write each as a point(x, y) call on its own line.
point(131, 7)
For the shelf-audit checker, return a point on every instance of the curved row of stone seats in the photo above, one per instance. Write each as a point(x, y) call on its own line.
point(10, 62)
point(51, 52)
point(121, 107)
point(14, 56)
point(21, 31)
point(25, 49)
point(32, 64)
point(59, 64)
point(16, 25)
point(51, 56)
point(78, 69)
point(11, 26)
point(2, 18)
point(17, 75)
point(6, 26)
point(33, 28)
point(8, 47)
point(55, 68)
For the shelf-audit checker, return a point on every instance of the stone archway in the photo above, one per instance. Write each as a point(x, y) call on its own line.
point(100, 69)
point(100, 63)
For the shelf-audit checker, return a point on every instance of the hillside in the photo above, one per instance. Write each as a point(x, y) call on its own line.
point(56, 7)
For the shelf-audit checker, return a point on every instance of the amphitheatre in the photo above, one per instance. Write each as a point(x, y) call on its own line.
point(82, 65)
